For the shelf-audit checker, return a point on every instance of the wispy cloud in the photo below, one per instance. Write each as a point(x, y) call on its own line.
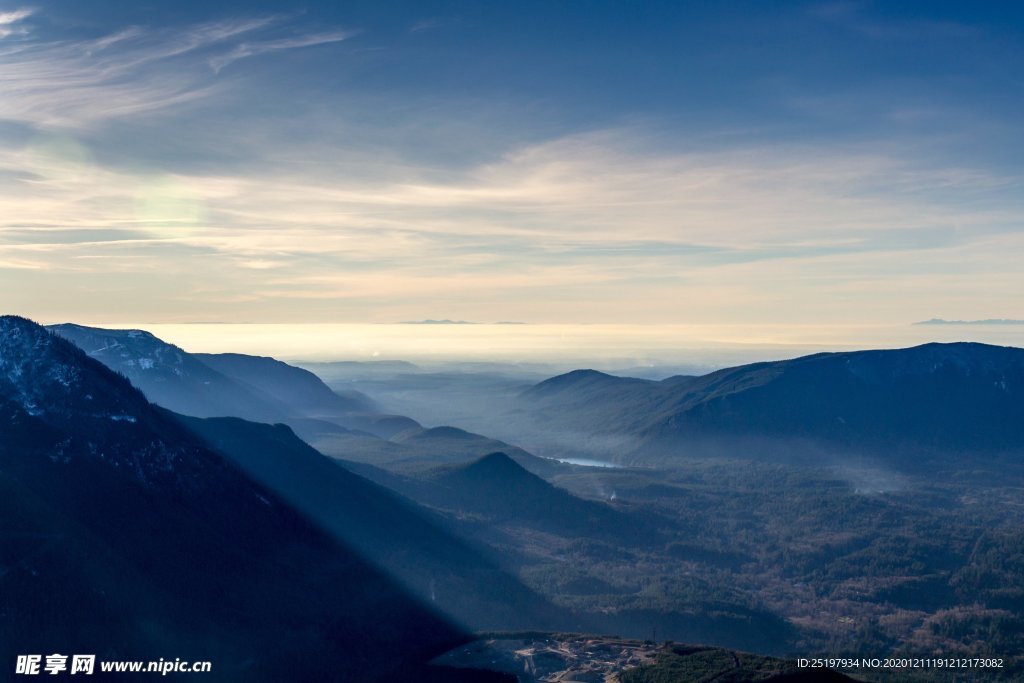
point(571, 227)
point(252, 49)
point(118, 186)
point(854, 17)
point(9, 21)
point(14, 16)
point(136, 70)
point(425, 25)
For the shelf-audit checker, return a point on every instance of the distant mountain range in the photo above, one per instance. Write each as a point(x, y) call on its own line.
point(456, 322)
point(987, 321)
point(128, 536)
point(345, 424)
point(133, 531)
point(898, 405)
point(437, 322)
point(935, 399)
point(212, 385)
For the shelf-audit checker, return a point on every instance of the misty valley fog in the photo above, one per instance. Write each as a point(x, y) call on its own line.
point(854, 502)
point(884, 529)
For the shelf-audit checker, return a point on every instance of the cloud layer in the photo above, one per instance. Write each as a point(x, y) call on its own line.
point(195, 171)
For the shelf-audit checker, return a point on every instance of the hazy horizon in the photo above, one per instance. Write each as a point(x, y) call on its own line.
point(605, 346)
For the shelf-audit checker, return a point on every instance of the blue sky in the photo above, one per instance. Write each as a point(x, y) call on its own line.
point(618, 162)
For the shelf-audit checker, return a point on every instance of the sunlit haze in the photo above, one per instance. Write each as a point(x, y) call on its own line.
point(603, 346)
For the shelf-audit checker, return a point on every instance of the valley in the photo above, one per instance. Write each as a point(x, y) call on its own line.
point(793, 546)
point(775, 542)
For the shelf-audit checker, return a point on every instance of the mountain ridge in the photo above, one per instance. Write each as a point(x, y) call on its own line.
point(955, 397)
point(93, 504)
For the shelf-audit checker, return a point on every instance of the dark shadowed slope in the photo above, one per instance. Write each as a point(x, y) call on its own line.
point(501, 491)
point(586, 414)
point(299, 389)
point(454, 445)
point(958, 397)
point(574, 386)
point(579, 387)
point(935, 398)
point(413, 450)
point(124, 536)
point(392, 532)
point(499, 488)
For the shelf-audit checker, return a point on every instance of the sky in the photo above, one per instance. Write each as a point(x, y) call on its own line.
point(660, 163)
